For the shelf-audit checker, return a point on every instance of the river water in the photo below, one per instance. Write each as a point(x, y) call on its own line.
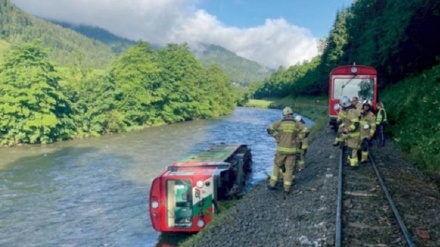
point(94, 192)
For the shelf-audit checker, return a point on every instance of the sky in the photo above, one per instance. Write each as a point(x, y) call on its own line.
point(273, 33)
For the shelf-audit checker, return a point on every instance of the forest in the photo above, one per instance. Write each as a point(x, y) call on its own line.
point(43, 103)
point(65, 86)
point(399, 39)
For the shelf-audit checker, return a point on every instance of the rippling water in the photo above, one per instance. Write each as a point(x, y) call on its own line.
point(94, 192)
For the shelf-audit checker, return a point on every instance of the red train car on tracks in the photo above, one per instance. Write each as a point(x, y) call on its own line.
point(351, 81)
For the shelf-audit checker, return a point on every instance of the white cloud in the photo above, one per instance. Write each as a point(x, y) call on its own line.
point(272, 44)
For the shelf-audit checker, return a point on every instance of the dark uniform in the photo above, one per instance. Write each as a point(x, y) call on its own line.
point(288, 135)
point(381, 121)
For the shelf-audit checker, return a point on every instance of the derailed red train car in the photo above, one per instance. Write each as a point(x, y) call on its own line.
point(184, 197)
point(351, 81)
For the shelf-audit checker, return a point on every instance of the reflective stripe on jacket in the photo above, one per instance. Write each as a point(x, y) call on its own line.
point(367, 124)
point(288, 135)
point(381, 116)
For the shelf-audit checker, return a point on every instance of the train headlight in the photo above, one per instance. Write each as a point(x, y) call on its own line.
point(200, 223)
point(354, 69)
point(199, 184)
point(154, 204)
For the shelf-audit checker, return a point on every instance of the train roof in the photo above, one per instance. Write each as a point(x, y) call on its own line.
point(206, 162)
point(346, 70)
point(217, 153)
point(196, 169)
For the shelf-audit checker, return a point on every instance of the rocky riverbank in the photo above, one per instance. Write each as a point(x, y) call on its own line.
point(307, 216)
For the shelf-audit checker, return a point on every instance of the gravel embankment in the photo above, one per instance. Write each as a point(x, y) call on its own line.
point(307, 216)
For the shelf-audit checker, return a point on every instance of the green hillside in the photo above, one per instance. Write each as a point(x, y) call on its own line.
point(241, 70)
point(118, 44)
point(66, 46)
point(4, 46)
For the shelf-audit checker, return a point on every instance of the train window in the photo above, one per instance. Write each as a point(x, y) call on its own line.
point(179, 203)
point(353, 87)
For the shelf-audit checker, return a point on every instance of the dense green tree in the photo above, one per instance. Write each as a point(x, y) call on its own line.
point(179, 78)
point(92, 98)
point(32, 107)
point(135, 74)
point(218, 93)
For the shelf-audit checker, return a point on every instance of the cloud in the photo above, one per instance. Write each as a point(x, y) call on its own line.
point(274, 43)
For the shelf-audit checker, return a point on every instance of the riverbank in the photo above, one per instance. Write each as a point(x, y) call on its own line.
point(314, 108)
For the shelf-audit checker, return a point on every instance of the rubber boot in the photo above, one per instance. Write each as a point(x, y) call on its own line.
point(337, 141)
point(353, 163)
point(364, 158)
point(301, 165)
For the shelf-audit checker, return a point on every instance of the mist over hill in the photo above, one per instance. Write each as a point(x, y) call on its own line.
point(96, 47)
point(239, 69)
point(65, 45)
point(118, 44)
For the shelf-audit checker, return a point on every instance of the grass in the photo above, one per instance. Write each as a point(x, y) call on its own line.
point(314, 108)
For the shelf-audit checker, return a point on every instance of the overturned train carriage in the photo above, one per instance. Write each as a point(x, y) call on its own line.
point(184, 197)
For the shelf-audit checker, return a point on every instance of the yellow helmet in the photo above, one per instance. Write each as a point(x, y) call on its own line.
point(287, 111)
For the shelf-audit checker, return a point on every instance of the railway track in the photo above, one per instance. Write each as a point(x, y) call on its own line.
point(366, 213)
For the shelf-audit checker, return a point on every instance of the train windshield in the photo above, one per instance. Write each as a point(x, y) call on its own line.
point(179, 203)
point(363, 88)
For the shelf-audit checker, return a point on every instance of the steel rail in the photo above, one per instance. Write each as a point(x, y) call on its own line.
point(402, 225)
point(338, 240)
point(403, 228)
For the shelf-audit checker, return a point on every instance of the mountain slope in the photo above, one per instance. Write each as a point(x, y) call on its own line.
point(118, 44)
point(96, 47)
point(240, 69)
point(66, 46)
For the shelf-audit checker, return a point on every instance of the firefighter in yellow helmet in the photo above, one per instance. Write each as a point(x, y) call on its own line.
point(343, 102)
point(349, 130)
point(304, 145)
point(367, 125)
point(288, 135)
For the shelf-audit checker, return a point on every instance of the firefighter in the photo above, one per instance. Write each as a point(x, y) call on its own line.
point(357, 104)
point(339, 123)
point(367, 124)
point(381, 121)
point(288, 135)
point(349, 131)
point(304, 145)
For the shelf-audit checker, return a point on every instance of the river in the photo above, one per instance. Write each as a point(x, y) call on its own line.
point(94, 191)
